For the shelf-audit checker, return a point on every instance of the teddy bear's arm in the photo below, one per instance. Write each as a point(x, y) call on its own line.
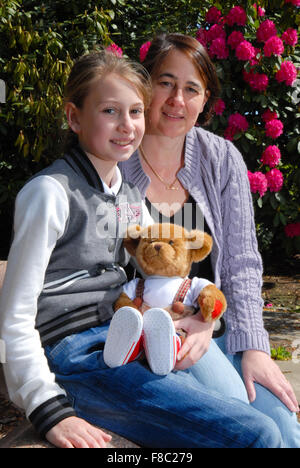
point(123, 301)
point(212, 303)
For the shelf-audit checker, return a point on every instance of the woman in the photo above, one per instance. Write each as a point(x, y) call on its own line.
point(178, 163)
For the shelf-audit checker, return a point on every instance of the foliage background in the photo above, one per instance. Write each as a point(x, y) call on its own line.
point(39, 41)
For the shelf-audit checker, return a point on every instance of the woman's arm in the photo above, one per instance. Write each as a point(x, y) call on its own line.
point(242, 283)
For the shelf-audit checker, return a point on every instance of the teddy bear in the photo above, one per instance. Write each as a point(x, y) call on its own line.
point(164, 254)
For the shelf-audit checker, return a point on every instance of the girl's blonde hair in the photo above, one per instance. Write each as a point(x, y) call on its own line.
point(95, 66)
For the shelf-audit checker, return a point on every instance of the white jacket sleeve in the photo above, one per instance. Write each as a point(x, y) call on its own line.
point(41, 213)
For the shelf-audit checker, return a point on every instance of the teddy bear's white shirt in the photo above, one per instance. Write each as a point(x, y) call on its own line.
point(160, 291)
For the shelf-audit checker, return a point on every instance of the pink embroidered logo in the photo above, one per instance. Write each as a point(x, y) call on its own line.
point(129, 213)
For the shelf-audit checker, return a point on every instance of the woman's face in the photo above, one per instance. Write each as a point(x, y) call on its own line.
point(179, 96)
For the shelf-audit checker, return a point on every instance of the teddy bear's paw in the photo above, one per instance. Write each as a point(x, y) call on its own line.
point(207, 306)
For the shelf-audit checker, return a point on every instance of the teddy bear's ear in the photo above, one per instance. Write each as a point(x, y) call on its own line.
point(200, 244)
point(132, 239)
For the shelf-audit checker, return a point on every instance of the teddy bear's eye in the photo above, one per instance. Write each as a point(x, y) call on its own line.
point(171, 242)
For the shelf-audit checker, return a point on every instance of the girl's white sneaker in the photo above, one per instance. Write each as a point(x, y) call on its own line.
point(124, 337)
point(161, 343)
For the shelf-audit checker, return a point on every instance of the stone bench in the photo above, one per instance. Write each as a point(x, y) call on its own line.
point(24, 436)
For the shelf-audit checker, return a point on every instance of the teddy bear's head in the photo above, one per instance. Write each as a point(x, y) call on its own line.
point(167, 249)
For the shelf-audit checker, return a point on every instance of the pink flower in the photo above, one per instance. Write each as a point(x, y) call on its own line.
point(219, 107)
point(271, 156)
point(144, 50)
point(257, 81)
point(255, 61)
point(269, 115)
point(274, 128)
point(219, 49)
point(230, 132)
point(258, 182)
point(273, 46)
point(202, 36)
point(213, 15)
point(114, 49)
point(237, 15)
point(275, 180)
point(287, 73)
point(260, 11)
point(238, 121)
point(266, 30)
point(216, 32)
point(293, 2)
point(290, 37)
point(235, 38)
point(245, 51)
point(292, 230)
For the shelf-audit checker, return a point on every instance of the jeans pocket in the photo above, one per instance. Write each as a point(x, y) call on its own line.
point(54, 351)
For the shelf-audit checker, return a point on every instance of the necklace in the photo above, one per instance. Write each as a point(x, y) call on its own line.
point(166, 184)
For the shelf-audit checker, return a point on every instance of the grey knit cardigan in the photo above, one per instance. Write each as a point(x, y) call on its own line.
point(215, 175)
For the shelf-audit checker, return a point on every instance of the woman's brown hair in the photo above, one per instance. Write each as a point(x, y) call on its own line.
point(164, 43)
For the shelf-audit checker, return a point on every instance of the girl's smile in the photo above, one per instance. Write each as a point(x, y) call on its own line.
point(110, 125)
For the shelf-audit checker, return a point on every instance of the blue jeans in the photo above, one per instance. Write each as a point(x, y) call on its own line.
point(226, 377)
point(173, 411)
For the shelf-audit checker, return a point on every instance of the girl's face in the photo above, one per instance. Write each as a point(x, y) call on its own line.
point(110, 125)
point(179, 96)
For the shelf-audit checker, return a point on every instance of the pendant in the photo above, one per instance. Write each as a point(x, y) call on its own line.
point(171, 187)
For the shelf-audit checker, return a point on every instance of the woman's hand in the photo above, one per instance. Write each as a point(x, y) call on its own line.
point(74, 432)
point(258, 367)
point(196, 344)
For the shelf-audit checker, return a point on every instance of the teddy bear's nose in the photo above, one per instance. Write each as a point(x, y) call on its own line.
point(157, 247)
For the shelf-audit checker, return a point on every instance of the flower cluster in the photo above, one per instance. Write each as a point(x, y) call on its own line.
point(220, 106)
point(290, 37)
point(237, 15)
point(259, 53)
point(292, 230)
point(258, 182)
point(273, 46)
point(245, 51)
point(293, 2)
point(271, 156)
point(266, 30)
point(113, 48)
point(236, 123)
point(144, 50)
point(274, 128)
point(287, 73)
point(275, 180)
point(257, 81)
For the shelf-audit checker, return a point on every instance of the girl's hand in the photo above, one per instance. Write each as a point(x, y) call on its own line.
point(196, 344)
point(258, 367)
point(74, 432)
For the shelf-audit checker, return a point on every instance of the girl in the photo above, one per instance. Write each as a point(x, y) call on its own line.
point(65, 270)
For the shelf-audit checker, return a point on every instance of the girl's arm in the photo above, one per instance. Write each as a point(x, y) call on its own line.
point(41, 213)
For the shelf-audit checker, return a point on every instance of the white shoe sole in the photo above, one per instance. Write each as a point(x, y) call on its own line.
point(124, 332)
point(159, 341)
